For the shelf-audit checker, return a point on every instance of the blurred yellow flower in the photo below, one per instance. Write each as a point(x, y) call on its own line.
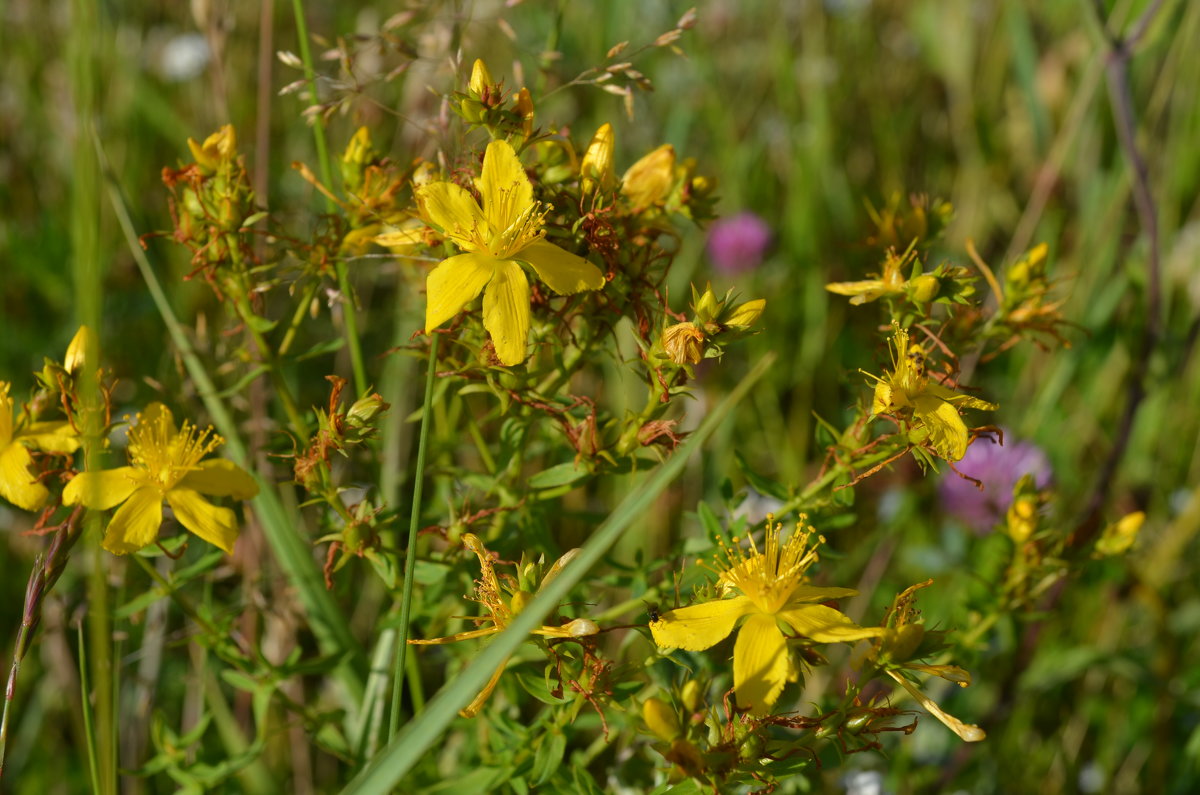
point(217, 148)
point(934, 407)
point(770, 587)
point(164, 464)
point(497, 237)
point(18, 483)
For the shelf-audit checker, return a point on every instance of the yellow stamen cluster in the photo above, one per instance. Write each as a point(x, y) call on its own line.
point(768, 577)
point(164, 455)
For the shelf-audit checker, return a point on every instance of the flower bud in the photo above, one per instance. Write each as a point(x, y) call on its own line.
point(596, 170)
point(692, 695)
point(745, 315)
point(520, 600)
point(661, 719)
point(1119, 537)
point(358, 155)
point(525, 111)
point(924, 288)
point(217, 148)
point(707, 307)
point(1022, 519)
point(81, 349)
point(649, 180)
point(684, 343)
point(481, 78)
point(364, 410)
point(581, 628)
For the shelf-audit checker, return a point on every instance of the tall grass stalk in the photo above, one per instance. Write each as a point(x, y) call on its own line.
point(410, 551)
point(88, 295)
point(407, 746)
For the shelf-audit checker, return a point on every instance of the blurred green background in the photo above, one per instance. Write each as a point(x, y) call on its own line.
point(804, 112)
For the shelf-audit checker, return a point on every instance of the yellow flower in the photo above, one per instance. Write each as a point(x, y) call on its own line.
point(497, 237)
point(770, 587)
point(18, 484)
point(501, 612)
point(934, 407)
point(218, 148)
point(164, 464)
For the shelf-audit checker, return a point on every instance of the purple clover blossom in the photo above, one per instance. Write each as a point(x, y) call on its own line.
point(999, 468)
point(736, 244)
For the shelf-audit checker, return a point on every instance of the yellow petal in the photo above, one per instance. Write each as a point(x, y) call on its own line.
point(807, 594)
point(564, 272)
point(947, 431)
point(452, 209)
point(17, 483)
point(221, 478)
point(958, 398)
point(472, 709)
point(760, 664)
point(825, 625)
point(217, 526)
point(453, 284)
point(856, 288)
point(506, 312)
point(503, 185)
point(101, 489)
point(51, 437)
point(135, 524)
point(6, 420)
point(966, 731)
point(700, 626)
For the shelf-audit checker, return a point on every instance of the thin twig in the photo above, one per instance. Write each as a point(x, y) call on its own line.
point(1120, 51)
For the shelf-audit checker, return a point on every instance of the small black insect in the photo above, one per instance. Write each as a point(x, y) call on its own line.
point(652, 611)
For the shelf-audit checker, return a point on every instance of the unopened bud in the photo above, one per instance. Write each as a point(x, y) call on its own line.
point(520, 600)
point(692, 695)
point(81, 349)
point(648, 181)
point(481, 78)
point(661, 719)
point(1119, 537)
point(747, 314)
point(581, 628)
point(525, 111)
point(924, 288)
point(596, 170)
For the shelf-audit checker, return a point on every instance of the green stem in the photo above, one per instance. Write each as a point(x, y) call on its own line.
point(343, 276)
point(297, 317)
point(271, 362)
point(410, 552)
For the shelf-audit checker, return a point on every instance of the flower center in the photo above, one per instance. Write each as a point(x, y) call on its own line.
point(768, 577)
point(165, 455)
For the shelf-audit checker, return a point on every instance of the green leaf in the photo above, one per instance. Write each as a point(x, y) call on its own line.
point(760, 483)
point(549, 756)
point(559, 475)
point(322, 348)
